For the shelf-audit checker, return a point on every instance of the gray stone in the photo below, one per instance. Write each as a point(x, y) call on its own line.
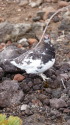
point(41, 14)
point(23, 3)
point(65, 25)
point(37, 29)
point(57, 103)
point(24, 107)
point(64, 76)
point(1, 73)
point(10, 94)
point(23, 42)
point(36, 3)
point(6, 55)
point(37, 18)
point(5, 31)
point(68, 122)
point(12, 31)
point(35, 119)
point(56, 93)
point(20, 29)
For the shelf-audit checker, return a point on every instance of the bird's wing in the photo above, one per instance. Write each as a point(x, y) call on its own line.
point(27, 58)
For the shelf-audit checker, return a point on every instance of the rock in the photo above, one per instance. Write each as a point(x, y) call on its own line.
point(57, 103)
point(66, 15)
point(35, 119)
point(47, 10)
point(36, 87)
point(55, 113)
point(25, 87)
point(66, 51)
point(68, 122)
point(12, 31)
point(1, 73)
point(65, 25)
point(32, 4)
point(36, 3)
point(11, 1)
point(63, 3)
point(1, 19)
point(49, 1)
point(2, 46)
point(67, 111)
point(18, 77)
point(10, 52)
point(40, 14)
point(64, 76)
point(42, 97)
point(23, 42)
point(6, 55)
point(19, 10)
point(24, 107)
point(19, 46)
point(56, 93)
point(31, 41)
point(54, 1)
point(48, 90)
point(64, 97)
point(65, 68)
point(5, 31)
point(37, 29)
point(10, 93)
point(36, 102)
point(68, 84)
point(37, 18)
point(46, 102)
point(23, 3)
point(20, 29)
point(8, 43)
point(56, 19)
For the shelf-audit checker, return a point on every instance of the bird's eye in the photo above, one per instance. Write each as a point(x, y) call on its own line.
point(46, 37)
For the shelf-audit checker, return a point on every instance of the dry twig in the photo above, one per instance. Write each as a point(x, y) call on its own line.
point(58, 11)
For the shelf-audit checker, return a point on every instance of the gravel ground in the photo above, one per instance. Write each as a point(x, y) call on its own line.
point(27, 96)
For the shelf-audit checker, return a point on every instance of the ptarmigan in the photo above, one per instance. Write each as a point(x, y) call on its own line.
point(38, 59)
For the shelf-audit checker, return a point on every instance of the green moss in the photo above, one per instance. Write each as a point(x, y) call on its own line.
point(12, 120)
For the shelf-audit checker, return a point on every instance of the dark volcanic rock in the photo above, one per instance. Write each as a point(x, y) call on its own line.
point(1, 73)
point(6, 55)
point(10, 93)
point(65, 25)
point(12, 31)
point(25, 87)
point(57, 103)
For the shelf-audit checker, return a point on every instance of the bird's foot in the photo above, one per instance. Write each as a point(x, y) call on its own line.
point(43, 76)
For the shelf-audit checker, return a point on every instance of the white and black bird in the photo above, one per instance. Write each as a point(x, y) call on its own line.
point(38, 59)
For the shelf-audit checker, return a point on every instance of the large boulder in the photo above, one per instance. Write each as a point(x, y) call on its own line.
point(10, 93)
point(6, 55)
point(12, 31)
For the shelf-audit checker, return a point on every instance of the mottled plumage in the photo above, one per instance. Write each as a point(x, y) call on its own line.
point(38, 59)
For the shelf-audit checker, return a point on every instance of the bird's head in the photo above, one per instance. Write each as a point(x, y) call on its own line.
point(47, 39)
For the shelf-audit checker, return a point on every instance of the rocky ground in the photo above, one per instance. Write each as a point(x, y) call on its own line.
point(21, 25)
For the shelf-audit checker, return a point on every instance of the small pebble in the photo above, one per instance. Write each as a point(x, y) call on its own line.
point(63, 4)
point(18, 77)
point(32, 40)
point(24, 107)
point(57, 103)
